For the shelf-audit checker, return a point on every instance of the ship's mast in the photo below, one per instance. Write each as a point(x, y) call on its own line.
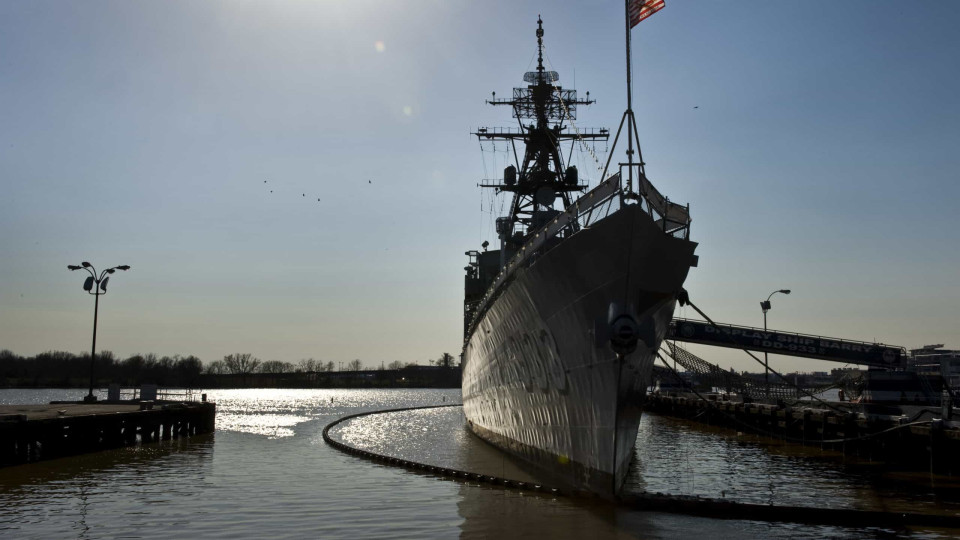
point(628, 117)
point(542, 176)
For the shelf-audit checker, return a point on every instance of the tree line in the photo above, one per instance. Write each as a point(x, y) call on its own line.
point(65, 369)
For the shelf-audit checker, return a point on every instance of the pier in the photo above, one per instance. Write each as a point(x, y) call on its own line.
point(913, 437)
point(30, 433)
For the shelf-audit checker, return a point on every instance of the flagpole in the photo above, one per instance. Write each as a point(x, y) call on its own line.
point(642, 9)
point(626, 21)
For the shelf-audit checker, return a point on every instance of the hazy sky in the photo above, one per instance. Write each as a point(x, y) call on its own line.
point(822, 156)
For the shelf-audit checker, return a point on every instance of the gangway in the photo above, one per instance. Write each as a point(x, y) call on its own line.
point(847, 351)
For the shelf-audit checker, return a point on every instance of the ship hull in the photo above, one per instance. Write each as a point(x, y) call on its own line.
point(540, 379)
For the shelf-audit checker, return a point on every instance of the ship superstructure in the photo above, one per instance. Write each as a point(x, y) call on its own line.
point(542, 178)
point(561, 324)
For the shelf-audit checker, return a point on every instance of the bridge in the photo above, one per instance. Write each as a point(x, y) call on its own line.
point(877, 355)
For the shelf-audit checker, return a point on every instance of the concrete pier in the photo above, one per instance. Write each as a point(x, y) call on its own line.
point(31, 433)
point(911, 437)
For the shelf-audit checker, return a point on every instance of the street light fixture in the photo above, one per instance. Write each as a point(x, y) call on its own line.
point(96, 286)
point(765, 306)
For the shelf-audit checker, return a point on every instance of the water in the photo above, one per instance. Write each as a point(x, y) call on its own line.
point(266, 472)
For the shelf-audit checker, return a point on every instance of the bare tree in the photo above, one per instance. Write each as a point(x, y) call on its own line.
point(150, 360)
point(445, 360)
point(189, 368)
point(241, 363)
point(396, 364)
point(166, 363)
point(354, 365)
point(276, 366)
point(217, 367)
point(309, 364)
point(330, 366)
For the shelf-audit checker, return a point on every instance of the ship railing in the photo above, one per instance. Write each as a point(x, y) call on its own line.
point(599, 210)
point(595, 205)
point(672, 218)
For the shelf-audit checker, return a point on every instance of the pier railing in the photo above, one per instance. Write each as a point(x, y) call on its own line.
point(162, 394)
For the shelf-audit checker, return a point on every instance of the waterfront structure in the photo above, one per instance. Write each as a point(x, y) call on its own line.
point(901, 434)
point(563, 321)
point(30, 433)
point(935, 361)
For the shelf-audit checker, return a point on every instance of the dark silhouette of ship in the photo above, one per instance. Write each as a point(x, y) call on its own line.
point(563, 322)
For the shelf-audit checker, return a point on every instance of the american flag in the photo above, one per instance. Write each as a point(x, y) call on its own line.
point(641, 9)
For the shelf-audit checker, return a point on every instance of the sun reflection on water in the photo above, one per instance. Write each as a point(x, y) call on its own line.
point(276, 413)
point(274, 426)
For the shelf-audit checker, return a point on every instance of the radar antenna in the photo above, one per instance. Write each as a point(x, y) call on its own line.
point(542, 177)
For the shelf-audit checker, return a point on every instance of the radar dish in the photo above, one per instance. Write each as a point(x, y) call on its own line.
point(546, 196)
point(535, 77)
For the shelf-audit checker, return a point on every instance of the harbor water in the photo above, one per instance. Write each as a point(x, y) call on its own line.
point(267, 472)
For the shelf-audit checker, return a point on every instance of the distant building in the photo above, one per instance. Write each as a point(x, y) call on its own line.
point(933, 360)
point(839, 373)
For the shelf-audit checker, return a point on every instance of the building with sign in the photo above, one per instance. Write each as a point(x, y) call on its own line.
point(934, 360)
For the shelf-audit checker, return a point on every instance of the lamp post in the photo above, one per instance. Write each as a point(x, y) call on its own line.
point(95, 285)
point(765, 306)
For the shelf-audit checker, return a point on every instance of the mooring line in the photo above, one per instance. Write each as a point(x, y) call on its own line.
point(660, 502)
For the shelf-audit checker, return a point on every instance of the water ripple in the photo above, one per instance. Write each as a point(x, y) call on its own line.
point(266, 472)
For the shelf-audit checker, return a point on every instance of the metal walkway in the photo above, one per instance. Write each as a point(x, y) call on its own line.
point(714, 377)
point(788, 343)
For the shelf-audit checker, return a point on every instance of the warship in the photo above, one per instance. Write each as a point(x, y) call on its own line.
point(562, 323)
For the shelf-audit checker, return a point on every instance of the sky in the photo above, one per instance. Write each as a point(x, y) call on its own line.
point(297, 179)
